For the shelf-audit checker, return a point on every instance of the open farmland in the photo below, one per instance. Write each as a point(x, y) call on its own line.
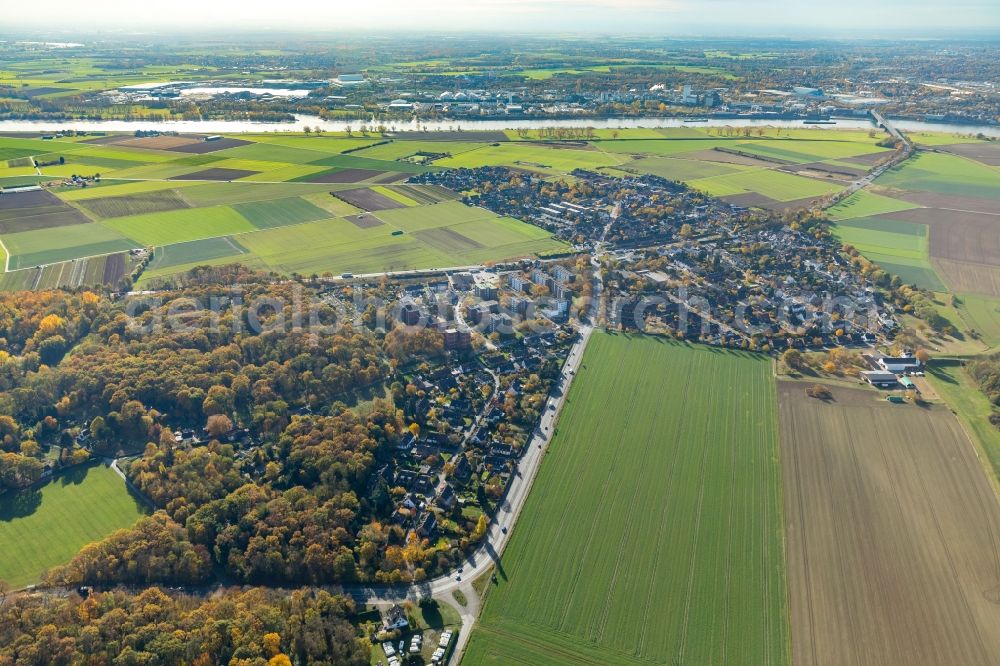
point(864, 204)
point(776, 185)
point(35, 210)
point(43, 528)
point(135, 204)
point(196, 252)
point(899, 247)
point(652, 533)
point(534, 157)
point(892, 533)
point(47, 246)
point(177, 226)
point(102, 269)
point(944, 174)
point(156, 191)
point(440, 235)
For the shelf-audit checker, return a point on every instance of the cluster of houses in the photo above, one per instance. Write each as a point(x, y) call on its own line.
point(703, 269)
point(643, 208)
point(772, 286)
point(465, 410)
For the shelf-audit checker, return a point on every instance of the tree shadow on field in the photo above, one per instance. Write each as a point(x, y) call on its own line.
point(431, 610)
point(20, 504)
point(76, 475)
point(942, 376)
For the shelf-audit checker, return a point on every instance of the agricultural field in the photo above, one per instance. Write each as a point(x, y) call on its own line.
point(168, 190)
point(899, 247)
point(534, 157)
point(891, 533)
point(27, 249)
point(439, 235)
point(43, 528)
point(944, 174)
point(179, 226)
point(949, 202)
point(773, 184)
point(651, 535)
point(866, 204)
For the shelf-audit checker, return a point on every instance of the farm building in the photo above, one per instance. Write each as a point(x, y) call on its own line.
point(899, 364)
point(879, 378)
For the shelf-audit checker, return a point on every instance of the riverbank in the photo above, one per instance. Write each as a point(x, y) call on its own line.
point(245, 127)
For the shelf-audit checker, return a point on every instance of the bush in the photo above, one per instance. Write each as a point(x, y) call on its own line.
point(819, 391)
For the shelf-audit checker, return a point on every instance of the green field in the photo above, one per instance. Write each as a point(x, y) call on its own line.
point(536, 157)
point(195, 252)
point(280, 212)
point(865, 204)
point(47, 246)
point(177, 226)
point(438, 235)
point(776, 185)
point(982, 314)
point(962, 394)
point(653, 532)
point(677, 169)
point(900, 248)
point(40, 529)
point(136, 204)
point(945, 174)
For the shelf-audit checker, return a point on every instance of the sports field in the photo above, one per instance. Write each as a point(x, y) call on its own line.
point(892, 530)
point(43, 528)
point(652, 534)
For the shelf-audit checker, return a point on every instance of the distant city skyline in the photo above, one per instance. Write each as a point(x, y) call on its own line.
point(667, 17)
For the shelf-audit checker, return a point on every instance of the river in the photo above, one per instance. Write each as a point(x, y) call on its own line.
point(245, 126)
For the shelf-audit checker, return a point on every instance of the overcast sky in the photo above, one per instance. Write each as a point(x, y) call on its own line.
point(667, 17)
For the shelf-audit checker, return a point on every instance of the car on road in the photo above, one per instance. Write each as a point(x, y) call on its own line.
point(458, 579)
point(504, 529)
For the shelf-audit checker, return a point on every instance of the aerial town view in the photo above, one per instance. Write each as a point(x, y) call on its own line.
point(500, 333)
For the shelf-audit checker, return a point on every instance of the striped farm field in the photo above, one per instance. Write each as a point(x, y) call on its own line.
point(280, 212)
point(55, 244)
point(652, 534)
point(178, 226)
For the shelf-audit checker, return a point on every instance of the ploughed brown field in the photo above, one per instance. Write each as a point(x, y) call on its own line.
point(892, 534)
point(216, 173)
point(987, 153)
point(369, 200)
point(964, 238)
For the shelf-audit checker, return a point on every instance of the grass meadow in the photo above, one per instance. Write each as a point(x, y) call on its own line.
point(43, 528)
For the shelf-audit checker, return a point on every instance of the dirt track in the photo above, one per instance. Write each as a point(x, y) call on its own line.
point(892, 533)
